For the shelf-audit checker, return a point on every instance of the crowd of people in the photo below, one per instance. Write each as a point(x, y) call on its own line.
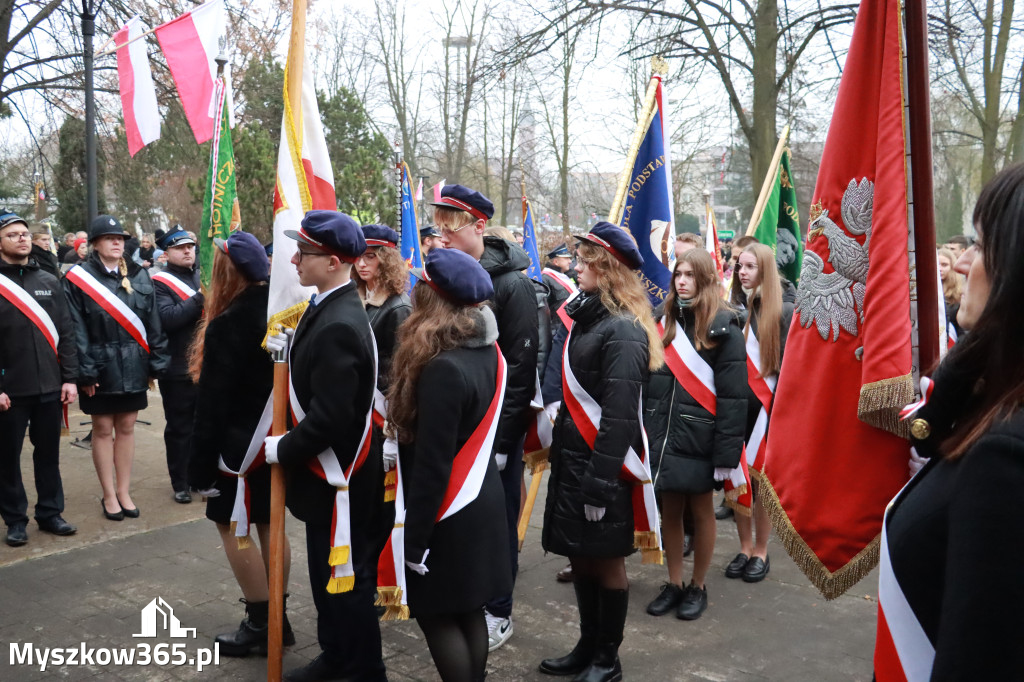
point(410, 487)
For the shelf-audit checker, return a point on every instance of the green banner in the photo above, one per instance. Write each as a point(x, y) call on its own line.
point(220, 203)
point(779, 227)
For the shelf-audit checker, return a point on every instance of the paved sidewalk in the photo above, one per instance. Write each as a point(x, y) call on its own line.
point(60, 592)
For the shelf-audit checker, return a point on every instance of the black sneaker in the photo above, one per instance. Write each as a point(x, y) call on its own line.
point(695, 602)
point(669, 599)
point(17, 535)
point(723, 512)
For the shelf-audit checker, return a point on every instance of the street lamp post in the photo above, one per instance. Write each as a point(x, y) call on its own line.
point(90, 8)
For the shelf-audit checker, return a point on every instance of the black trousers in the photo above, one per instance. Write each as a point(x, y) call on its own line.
point(511, 483)
point(44, 413)
point(179, 398)
point(346, 624)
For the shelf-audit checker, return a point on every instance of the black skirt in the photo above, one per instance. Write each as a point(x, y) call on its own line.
point(218, 509)
point(112, 403)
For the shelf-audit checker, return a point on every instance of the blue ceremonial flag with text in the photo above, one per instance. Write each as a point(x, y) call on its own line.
point(648, 212)
point(410, 245)
point(530, 244)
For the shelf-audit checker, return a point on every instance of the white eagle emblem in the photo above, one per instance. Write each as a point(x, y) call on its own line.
point(835, 300)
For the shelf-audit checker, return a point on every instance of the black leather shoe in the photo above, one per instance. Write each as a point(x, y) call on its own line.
point(116, 516)
point(695, 601)
point(129, 513)
point(756, 570)
point(17, 535)
point(736, 566)
point(56, 525)
point(317, 670)
point(723, 512)
point(669, 599)
point(565, 575)
point(182, 497)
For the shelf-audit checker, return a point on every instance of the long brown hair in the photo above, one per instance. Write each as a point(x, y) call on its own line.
point(705, 304)
point(226, 283)
point(392, 273)
point(769, 313)
point(736, 296)
point(953, 283)
point(622, 293)
point(435, 325)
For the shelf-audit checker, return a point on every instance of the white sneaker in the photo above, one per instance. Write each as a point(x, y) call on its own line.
point(499, 630)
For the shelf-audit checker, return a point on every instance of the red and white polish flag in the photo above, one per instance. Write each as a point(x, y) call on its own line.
point(135, 82)
point(190, 46)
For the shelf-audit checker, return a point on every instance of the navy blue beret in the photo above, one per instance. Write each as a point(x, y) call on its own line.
point(380, 235)
point(176, 236)
point(456, 276)
point(429, 231)
point(269, 248)
point(248, 255)
point(617, 242)
point(560, 251)
point(466, 199)
point(332, 232)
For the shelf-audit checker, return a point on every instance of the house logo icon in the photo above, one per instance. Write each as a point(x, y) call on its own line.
point(158, 616)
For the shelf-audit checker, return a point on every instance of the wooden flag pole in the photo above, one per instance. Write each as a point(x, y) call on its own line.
point(769, 181)
point(531, 499)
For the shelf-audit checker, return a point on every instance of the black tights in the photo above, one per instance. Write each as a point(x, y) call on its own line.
point(458, 645)
point(608, 573)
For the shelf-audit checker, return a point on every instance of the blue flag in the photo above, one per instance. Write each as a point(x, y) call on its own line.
point(648, 212)
point(410, 245)
point(530, 244)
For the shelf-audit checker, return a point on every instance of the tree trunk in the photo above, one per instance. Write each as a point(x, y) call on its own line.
point(766, 93)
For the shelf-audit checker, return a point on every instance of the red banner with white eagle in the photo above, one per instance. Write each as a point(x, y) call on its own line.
point(837, 452)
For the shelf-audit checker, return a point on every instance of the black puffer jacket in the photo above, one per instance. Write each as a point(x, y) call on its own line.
point(608, 355)
point(688, 442)
point(179, 317)
point(107, 354)
point(386, 316)
point(515, 307)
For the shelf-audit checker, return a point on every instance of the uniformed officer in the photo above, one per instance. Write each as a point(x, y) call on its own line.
point(180, 303)
point(38, 372)
point(332, 483)
point(429, 239)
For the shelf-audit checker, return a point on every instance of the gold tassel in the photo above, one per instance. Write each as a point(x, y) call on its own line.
point(389, 494)
point(537, 461)
point(645, 539)
point(243, 542)
point(388, 596)
point(398, 612)
point(880, 403)
point(342, 584)
point(391, 478)
point(339, 556)
point(652, 556)
point(831, 585)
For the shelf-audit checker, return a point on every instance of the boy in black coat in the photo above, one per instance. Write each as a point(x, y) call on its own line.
point(333, 373)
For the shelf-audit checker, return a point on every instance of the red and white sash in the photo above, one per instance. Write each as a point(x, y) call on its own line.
point(327, 467)
point(568, 285)
point(538, 434)
point(903, 651)
point(467, 477)
point(254, 459)
point(764, 389)
point(380, 408)
point(183, 290)
point(636, 468)
point(113, 306)
point(690, 369)
point(31, 309)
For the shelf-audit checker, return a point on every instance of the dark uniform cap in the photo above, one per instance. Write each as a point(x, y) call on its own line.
point(456, 276)
point(560, 251)
point(428, 231)
point(332, 232)
point(9, 217)
point(617, 242)
point(380, 235)
point(103, 225)
point(176, 236)
point(246, 252)
point(466, 199)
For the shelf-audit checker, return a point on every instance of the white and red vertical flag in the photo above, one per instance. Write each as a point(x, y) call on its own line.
point(712, 245)
point(837, 452)
point(437, 190)
point(419, 191)
point(135, 82)
point(190, 45)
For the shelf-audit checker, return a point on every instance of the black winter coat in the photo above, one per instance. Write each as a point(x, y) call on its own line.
point(386, 316)
point(46, 259)
point(544, 323)
point(28, 365)
point(468, 561)
point(237, 379)
point(515, 307)
point(609, 356)
point(179, 318)
point(688, 442)
point(107, 354)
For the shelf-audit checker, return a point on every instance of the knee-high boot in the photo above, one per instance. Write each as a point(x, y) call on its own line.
point(606, 667)
point(587, 599)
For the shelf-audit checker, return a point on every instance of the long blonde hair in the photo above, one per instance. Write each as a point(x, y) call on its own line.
point(769, 312)
point(705, 304)
point(622, 293)
point(953, 282)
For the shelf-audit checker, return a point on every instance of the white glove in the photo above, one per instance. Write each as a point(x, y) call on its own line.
point(721, 473)
point(390, 454)
point(421, 567)
point(209, 492)
point(916, 462)
point(270, 448)
point(552, 410)
point(277, 342)
point(501, 460)
point(593, 513)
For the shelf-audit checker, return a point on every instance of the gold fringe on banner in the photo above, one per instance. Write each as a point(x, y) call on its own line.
point(830, 584)
point(652, 556)
point(287, 318)
point(340, 585)
point(339, 556)
point(881, 401)
point(537, 461)
point(732, 500)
